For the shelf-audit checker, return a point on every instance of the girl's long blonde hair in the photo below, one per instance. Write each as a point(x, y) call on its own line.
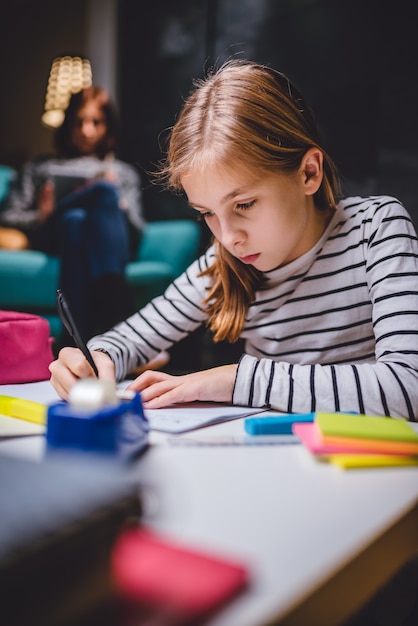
point(250, 115)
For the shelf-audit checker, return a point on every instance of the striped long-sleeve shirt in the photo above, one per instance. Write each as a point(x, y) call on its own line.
point(334, 330)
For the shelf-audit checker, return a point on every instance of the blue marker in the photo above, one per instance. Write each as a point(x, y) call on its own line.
point(275, 424)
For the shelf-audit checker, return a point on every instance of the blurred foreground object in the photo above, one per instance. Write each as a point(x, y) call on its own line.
point(59, 521)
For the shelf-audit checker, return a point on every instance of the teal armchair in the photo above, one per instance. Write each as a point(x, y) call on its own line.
point(29, 279)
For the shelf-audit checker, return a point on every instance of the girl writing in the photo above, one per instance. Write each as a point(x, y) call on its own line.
point(323, 289)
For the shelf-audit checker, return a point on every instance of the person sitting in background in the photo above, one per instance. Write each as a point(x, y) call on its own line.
point(95, 224)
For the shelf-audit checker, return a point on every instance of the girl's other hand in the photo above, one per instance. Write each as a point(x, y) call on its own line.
point(159, 389)
point(71, 365)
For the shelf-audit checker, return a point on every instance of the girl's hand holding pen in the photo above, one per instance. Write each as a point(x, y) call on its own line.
point(71, 365)
point(159, 389)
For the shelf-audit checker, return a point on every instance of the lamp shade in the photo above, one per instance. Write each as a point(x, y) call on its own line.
point(68, 75)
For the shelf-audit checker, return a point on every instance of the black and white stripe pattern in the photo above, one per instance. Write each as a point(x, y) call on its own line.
point(336, 329)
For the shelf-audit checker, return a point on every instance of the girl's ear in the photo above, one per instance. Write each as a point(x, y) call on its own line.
point(311, 168)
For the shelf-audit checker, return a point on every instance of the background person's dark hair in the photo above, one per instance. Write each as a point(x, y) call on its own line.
point(62, 140)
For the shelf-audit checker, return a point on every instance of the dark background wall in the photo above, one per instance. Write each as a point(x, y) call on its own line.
point(355, 60)
point(32, 34)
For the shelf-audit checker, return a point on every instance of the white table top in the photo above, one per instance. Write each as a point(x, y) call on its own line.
point(293, 520)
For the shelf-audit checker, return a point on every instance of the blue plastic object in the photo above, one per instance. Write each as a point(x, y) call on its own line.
point(275, 424)
point(120, 431)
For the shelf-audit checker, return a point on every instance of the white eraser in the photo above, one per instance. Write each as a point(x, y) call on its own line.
point(92, 394)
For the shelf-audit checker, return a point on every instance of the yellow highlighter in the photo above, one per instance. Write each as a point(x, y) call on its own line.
point(23, 409)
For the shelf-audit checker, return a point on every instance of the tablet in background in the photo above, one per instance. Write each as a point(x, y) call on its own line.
point(65, 184)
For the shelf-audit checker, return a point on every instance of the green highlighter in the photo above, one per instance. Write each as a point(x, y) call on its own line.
point(365, 427)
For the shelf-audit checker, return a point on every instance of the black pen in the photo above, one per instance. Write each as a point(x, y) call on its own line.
point(68, 321)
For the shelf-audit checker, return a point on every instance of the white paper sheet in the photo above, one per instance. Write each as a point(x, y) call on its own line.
point(180, 419)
